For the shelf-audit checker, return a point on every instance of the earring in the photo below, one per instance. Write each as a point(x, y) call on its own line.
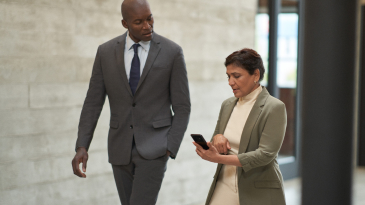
point(254, 82)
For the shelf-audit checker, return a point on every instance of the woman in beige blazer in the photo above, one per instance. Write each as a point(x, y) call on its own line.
point(246, 141)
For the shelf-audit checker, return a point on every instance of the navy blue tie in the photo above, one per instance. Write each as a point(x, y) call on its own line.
point(134, 75)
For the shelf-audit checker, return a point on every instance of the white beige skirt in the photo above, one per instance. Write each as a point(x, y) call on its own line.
point(226, 189)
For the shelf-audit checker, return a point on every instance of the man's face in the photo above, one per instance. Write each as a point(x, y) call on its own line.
point(139, 24)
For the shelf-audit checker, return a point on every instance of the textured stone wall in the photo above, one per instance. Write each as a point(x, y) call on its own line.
point(47, 49)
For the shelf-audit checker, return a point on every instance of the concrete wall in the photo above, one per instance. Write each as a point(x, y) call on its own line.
point(47, 49)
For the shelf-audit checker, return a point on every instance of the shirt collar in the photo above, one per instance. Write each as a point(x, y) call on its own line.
point(129, 43)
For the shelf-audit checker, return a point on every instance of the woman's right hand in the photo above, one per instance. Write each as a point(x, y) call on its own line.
point(221, 144)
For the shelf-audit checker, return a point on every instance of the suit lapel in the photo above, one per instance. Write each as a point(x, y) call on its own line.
point(119, 54)
point(152, 54)
point(252, 119)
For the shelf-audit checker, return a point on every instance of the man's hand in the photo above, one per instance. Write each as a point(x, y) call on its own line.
point(80, 157)
point(221, 143)
point(168, 153)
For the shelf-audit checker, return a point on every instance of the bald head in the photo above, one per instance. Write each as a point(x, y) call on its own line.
point(138, 19)
point(133, 6)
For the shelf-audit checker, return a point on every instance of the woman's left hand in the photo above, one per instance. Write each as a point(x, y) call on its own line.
point(211, 154)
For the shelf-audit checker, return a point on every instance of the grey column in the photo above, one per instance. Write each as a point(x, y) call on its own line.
point(327, 101)
point(274, 10)
point(361, 140)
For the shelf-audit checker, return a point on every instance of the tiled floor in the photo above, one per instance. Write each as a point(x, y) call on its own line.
point(293, 189)
point(359, 186)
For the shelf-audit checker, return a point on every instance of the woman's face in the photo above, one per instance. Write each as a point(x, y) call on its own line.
point(241, 82)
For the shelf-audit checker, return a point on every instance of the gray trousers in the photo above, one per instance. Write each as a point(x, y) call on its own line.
point(139, 182)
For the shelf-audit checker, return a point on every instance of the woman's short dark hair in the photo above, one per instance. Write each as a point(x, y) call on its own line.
point(247, 59)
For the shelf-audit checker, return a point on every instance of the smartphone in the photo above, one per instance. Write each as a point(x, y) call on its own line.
point(198, 138)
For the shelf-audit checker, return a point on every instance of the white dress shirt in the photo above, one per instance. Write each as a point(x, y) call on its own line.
point(129, 54)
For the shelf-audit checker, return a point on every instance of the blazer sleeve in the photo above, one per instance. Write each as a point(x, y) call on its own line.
point(93, 105)
point(180, 100)
point(270, 142)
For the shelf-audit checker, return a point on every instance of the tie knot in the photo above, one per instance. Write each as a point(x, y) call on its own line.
point(135, 47)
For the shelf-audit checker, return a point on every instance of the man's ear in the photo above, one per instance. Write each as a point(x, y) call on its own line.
point(124, 23)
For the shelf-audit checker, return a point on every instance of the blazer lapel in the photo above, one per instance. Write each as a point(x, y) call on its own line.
point(152, 54)
point(252, 119)
point(119, 54)
point(226, 114)
point(250, 123)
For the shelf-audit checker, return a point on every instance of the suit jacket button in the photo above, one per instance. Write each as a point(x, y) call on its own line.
point(131, 127)
point(134, 104)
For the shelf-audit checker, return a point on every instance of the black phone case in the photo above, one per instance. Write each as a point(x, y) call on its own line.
point(198, 138)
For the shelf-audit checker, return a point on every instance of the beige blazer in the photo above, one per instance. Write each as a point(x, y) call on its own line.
point(259, 179)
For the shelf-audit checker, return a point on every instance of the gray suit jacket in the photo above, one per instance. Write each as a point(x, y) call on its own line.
point(259, 179)
point(147, 115)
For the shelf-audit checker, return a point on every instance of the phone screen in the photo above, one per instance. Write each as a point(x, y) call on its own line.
point(199, 139)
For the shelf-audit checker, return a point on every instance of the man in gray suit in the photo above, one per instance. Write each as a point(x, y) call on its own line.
point(144, 76)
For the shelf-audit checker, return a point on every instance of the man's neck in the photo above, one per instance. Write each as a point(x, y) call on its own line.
point(133, 39)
